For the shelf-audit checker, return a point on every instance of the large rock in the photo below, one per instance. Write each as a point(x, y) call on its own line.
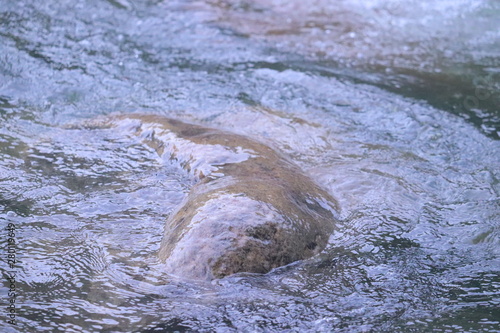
point(250, 210)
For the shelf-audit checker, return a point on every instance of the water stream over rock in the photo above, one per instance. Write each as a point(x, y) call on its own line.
point(391, 107)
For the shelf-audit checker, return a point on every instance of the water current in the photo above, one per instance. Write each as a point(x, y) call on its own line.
point(392, 107)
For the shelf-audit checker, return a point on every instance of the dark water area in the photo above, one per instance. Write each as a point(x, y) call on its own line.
point(392, 107)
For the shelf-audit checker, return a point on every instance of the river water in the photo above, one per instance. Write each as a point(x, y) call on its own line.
point(392, 107)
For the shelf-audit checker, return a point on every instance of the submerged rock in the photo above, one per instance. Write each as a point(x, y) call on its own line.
point(250, 210)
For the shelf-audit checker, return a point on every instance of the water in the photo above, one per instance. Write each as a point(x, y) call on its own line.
point(392, 107)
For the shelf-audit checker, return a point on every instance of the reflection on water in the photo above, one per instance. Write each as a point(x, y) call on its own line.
point(327, 84)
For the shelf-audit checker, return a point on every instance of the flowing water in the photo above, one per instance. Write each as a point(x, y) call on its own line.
point(393, 107)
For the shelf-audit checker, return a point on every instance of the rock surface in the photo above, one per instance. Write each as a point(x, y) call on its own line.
point(250, 210)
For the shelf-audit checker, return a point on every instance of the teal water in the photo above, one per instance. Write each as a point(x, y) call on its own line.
point(392, 107)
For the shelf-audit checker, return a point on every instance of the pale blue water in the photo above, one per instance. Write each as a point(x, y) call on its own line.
point(393, 107)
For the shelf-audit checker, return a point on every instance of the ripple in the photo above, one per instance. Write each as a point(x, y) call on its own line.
point(364, 96)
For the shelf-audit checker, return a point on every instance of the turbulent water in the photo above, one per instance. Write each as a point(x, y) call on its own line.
point(393, 107)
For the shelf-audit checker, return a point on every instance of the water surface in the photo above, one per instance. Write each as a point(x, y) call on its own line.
point(393, 108)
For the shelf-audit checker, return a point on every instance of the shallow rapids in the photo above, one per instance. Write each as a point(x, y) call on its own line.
point(392, 108)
